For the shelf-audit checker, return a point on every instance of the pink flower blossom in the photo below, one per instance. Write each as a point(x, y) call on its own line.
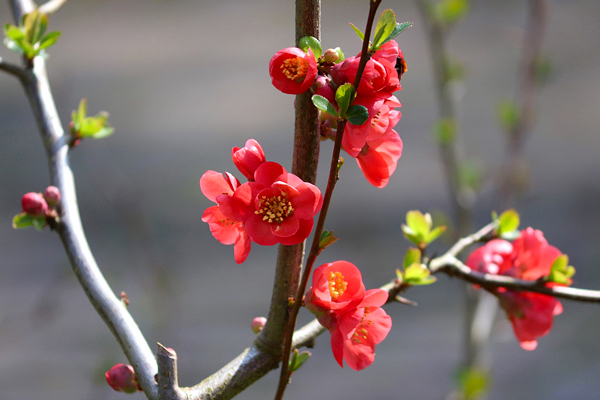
point(223, 225)
point(379, 157)
point(380, 73)
point(278, 207)
point(352, 315)
point(529, 257)
point(248, 158)
point(292, 70)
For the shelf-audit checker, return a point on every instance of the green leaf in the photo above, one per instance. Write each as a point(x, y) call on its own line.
point(509, 115)
point(35, 26)
point(327, 239)
point(358, 31)
point(357, 114)
point(435, 233)
point(400, 27)
point(324, 105)
point(418, 274)
point(412, 256)
point(22, 220)
point(508, 222)
point(82, 110)
point(309, 42)
point(49, 40)
point(384, 28)
point(13, 32)
point(444, 130)
point(298, 360)
point(451, 11)
point(39, 222)
point(106, 130)
point(418, 223)
point(473, 383)
point(344, 95)
point(561, 272)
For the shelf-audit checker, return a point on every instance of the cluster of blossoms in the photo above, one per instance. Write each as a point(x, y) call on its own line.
point(529, 257)
point(274, 206)
point(353, 316)
point(375, 145)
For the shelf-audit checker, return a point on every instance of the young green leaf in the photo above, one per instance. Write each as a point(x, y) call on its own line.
point(384, 28)
point(412, 256)
point(327, 239)
point(508, 222)
point(357, 114)
point(344, 95)
point(298, 360)
point(39, 222)
point(561, 272)
point(35, 26)
point(49, 40)
point(324, 105)
point(358, 31)
point(417, 222)
point(341, 56)
point(435, 233)
point(309, 42)
point(400, 27)
point(418, 274)
point(22, 220)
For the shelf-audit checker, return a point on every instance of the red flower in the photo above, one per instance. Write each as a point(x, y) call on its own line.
point(121, 378)
point(292, 70)
point(248, 158)
point(380, 73)
point(382, 118)
point(223, 225)
point(529, 257)
point(278, 207)
point(354, 317)
point(336, 286)
point(378, 158)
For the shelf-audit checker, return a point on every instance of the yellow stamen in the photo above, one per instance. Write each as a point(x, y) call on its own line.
point(295, 68)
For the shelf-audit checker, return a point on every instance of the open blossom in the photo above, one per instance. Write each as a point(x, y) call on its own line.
point(380, 74)
point(379, 157)
point(248, 158)
point(223, 225)
point(353, 316)
point(292, 70)
point(278, 207)
point(529, 257)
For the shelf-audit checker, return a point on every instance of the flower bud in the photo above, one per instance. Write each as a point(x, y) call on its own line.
point(322, 87)
point(248, 158)
point(52, 196)
point(121, 378)
point(34, 204)
point(330, 55)
point(257, 324)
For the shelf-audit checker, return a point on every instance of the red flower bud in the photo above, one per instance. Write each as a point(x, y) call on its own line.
point(121, 378)
point(34, 204)
point(52, 195)
point(247, 159)
point(257, 324)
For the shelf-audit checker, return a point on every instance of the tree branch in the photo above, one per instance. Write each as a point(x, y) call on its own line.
point(51, 6)
point(110, 308)
point(13, 69)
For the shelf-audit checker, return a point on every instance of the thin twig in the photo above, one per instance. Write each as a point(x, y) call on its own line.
point(51, 6)
point(13, 69)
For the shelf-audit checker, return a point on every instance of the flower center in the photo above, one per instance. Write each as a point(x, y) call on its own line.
point(275, 208)
point(294, 68)
point(361, 331)
point(337, 284)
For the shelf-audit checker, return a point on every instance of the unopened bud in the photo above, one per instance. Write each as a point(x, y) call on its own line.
point(330, 55)
point(121, 378)
point(257, 324)
point(52, 195)
point(34, 204)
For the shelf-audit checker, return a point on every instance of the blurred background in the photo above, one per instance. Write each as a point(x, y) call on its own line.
point(184, 82)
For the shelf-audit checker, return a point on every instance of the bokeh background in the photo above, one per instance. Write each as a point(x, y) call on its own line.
point(185, 81)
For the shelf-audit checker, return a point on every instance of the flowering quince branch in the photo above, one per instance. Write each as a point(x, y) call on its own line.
point(110, 308)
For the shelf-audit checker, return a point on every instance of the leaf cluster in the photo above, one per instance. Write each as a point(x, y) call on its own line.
point(418, 229)
point(96, 127)
point(28, 38)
